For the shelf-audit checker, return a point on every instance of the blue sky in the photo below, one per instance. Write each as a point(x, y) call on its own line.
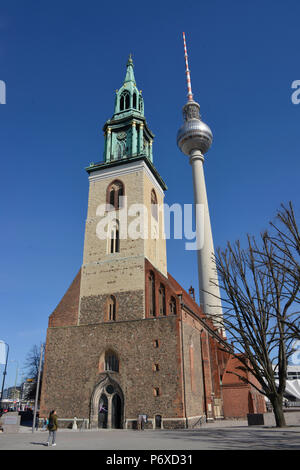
point(62, 62)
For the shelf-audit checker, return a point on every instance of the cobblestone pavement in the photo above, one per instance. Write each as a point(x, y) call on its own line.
point(235, 437)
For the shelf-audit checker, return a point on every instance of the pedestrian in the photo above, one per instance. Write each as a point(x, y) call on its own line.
point(52, 427)
point(45, 424)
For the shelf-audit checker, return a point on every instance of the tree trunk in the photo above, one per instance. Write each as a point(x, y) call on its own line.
point(278, 411)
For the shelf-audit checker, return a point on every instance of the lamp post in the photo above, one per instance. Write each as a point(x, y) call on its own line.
point(37, 388)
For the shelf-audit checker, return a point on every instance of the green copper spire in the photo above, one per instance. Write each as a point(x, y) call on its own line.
point(128, 98)
point(129, 73)
point(126, 133)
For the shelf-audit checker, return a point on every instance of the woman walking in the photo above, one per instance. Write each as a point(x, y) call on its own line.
point(52, 427)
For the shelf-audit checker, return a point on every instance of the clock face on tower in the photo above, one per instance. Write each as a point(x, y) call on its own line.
point(121, 135)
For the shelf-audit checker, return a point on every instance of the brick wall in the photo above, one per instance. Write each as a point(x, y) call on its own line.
point(66, 313)
point(240, 398)
point(72, 367)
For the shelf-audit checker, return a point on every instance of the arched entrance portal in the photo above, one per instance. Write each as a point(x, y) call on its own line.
point(107, 404)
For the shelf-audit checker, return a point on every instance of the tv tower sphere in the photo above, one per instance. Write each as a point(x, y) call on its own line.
point(194, 134)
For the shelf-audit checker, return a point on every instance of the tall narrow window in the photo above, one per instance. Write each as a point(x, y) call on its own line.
point(121, 149)
point(172, 306)
point(111, 362)
point(120, 194)
point(112, 196)
point(134, 100)
point(114, 191)
point(154, 207)
point(112, 308)
point(114, 237)
point(124, 101)
point(162, 300)
point(151, 294)
point(141, 104)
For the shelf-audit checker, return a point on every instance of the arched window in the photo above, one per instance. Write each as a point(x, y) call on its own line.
point(162, 300)
point(111, 362)
point(114, 237)
point(154, 206)
point(172, 306)
point(151, 294)
point(124, 101)
point(141, 104)
point(121, 149)
point(134, 100)
point(114, 191)
point(112, 308)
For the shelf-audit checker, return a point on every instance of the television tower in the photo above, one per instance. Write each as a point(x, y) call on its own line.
point(194, 138)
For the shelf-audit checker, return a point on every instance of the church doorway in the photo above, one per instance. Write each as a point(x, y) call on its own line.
point(107, 405)
point(158, 422)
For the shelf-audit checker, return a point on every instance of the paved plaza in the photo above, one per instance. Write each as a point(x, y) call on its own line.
point(226, 437)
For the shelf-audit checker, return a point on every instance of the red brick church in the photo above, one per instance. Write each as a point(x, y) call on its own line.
point(126, 339)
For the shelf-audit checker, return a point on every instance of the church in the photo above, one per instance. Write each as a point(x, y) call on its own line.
point(126, 339)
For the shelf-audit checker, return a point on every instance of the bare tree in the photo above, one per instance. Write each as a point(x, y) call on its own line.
point(32, 368)
point(258, 297)
point(285, 238)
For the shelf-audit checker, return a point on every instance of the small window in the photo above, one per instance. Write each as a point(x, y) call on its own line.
point(156, 392)
point(162, 300)
point(114, 192)
point(155, 367)
point(172, 306)
point(112, 308)
point(112, 197)
point(114, 237)
point(124, 101)
point(154, 206)
point(141, 104)
point(156, 343)
point(151, 294)
point(111, 362)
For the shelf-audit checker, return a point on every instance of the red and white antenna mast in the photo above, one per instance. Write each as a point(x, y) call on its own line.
point(187, 71)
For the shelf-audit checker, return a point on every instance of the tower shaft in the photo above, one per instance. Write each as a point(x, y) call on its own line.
point(209, 290)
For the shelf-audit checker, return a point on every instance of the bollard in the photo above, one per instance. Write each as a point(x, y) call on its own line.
point(74, 427)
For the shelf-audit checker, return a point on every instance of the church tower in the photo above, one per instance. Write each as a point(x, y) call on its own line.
point(124, 224)
point(126, 339)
